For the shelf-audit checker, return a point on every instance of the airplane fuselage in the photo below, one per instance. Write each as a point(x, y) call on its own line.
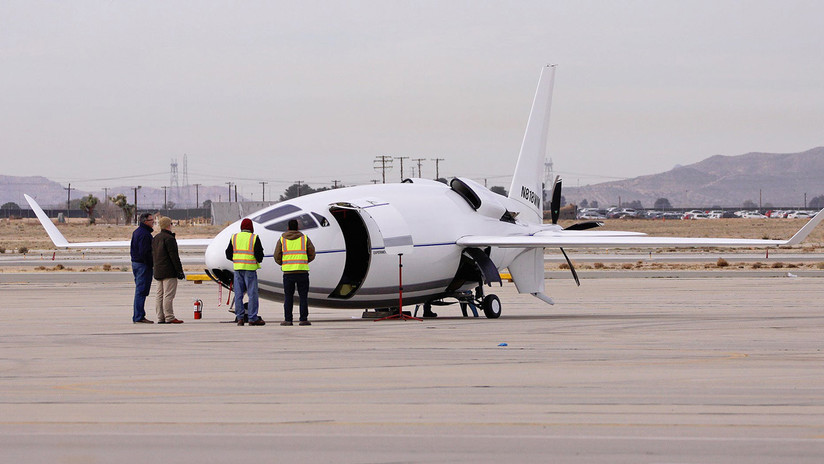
point(359, 233)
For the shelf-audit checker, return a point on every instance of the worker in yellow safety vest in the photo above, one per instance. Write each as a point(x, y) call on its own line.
point(246, 254)
point(294, 251)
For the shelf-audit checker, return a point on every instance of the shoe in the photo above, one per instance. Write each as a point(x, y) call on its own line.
point(286, 323)
point(143, 321)
point(259, 321)
point(430, 314)
point(175, 321)
point(161, 322)
point(304, 323)
point(240, 322)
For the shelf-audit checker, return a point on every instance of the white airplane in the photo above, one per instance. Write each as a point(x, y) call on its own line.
point(452, 239)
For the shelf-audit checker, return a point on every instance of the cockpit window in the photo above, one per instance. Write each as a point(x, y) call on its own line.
point(305, 221)
point(322, 220)
point(267, 216)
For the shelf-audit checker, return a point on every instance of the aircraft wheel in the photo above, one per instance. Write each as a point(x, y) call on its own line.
point(492, 307)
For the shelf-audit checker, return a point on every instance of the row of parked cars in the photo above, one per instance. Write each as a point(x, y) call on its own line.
point(620, 213)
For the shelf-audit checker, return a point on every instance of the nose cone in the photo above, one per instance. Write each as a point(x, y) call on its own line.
point(215, 257)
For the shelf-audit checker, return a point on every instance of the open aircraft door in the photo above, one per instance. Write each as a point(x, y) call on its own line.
point(370, 227)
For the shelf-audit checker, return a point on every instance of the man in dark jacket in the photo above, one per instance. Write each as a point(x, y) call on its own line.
point(142, 266)
point(167, 271)
point(294, 251)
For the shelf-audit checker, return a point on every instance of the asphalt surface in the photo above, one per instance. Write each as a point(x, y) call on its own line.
point(620, 370)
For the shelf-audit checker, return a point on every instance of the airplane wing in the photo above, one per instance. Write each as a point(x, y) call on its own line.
point(60, 241)
point(611, 239)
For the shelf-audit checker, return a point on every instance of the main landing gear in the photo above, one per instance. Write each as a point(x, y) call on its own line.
point(490, 304)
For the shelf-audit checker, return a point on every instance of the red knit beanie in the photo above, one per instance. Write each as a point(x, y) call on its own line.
point(246, 224)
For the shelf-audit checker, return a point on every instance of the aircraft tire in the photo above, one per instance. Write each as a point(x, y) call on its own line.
point(491, 306)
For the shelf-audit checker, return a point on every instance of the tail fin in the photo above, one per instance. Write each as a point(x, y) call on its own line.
point(527, 182)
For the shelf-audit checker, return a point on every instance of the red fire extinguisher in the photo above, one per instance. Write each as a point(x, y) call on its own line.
point(198, 309)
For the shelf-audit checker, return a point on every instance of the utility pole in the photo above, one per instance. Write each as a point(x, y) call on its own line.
point(135, 202)
point(805, 200)
point(437, 172)
point(263, 194)
point(299, 182)
point(420, 173)
point(165, 204)
point(383, 162)
point(230, 191)
point(235, 193)
point(335, 184)
point(197, 195)
point(106, 194)
point(69, 198)
point(401, 158)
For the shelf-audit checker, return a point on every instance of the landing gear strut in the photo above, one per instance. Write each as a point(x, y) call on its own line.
point(490, 304)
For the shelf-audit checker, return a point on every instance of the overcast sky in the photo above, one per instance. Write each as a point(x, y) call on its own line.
point(107, 93)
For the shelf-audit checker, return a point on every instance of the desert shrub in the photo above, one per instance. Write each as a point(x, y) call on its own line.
point(601, 265)
point(23, 250)
point(757, 265)
point(777, 265)
point(626, 266)
point(792, 265)
point(722, 262)
point(107, 267)
point(2, 249)
point(563, 266)
point(59, 267)
point(40, 268)
point(820, 265)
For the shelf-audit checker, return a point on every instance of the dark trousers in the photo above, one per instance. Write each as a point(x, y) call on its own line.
point(301, 280)
point(142, 285)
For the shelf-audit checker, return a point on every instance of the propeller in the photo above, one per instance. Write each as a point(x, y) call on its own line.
point(555, 213)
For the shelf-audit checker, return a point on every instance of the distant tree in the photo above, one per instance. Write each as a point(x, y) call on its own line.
point(442, 180)
point(584, 203)
point(207, 204)
point(749, 204)
point(296, 190)
point(817, 202)
point(170, 205)
point(593, 204)
point(563, 201)
point(662, 203)
point(498, 189)
point(123, 203)
point(635, 204)
point(10, 206)
point(87, 204)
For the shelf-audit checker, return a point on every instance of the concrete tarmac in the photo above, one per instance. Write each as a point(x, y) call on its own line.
point(620, 370)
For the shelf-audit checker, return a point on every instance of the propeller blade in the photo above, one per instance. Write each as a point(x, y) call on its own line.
point(585, 225)
point(571, 268)
point(555, 203)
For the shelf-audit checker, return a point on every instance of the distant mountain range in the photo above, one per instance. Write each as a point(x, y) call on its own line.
point(50, 194)
point(777, 179)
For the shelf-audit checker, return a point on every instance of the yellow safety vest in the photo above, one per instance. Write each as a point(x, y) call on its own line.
point(295, 257)
point(244, 255)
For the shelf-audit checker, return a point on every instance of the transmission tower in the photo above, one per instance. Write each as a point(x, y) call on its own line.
point(174, 184)
point(548, 180)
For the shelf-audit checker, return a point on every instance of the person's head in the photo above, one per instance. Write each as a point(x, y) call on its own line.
point(147, 218)
point(293, 224)
point(246, 224)
point(165, 223)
